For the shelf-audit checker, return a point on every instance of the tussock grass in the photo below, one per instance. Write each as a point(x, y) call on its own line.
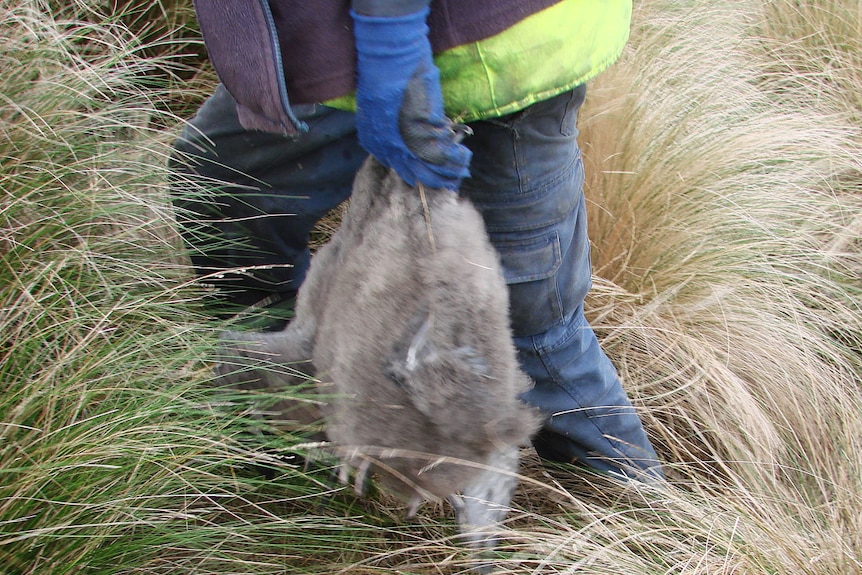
point(814, 54)
point(725, 225)
point(115, 454)
point(723, 162)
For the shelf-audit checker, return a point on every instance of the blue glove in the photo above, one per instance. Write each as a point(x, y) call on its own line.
point(399, 104)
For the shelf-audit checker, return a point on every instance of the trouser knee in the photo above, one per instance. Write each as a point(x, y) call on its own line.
point(247, 201)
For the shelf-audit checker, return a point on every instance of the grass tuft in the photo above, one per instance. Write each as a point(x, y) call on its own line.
point(116, 455)
point(725, 227)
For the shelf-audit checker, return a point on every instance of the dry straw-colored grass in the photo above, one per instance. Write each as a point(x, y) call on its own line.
point(725, 227)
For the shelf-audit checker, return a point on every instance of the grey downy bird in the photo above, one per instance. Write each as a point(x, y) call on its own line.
point(403, 322)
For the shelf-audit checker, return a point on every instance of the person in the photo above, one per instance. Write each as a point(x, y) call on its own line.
point(478, 97)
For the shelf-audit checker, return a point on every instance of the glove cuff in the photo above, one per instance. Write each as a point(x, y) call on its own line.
point(388, 8)
point(392, 43)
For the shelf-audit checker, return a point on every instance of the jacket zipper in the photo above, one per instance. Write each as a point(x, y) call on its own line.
point(279, 68)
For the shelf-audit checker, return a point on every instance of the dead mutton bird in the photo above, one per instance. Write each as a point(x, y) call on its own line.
point(403, 321)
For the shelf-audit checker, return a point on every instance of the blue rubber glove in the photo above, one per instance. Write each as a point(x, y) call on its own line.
point(399, 104)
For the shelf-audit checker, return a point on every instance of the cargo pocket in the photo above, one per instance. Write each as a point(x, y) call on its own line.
point(530, 267)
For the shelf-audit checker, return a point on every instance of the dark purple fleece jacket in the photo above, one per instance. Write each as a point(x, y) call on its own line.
point(274, 53)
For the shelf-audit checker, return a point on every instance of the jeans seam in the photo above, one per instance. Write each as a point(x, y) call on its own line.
point(520, 161)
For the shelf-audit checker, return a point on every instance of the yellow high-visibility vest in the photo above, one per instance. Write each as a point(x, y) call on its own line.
point(541, 56)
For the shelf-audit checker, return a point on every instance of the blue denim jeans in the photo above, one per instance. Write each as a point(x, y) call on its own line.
point(527, 181)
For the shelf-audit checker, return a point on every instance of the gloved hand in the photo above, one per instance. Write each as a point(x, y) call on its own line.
point(399, 104)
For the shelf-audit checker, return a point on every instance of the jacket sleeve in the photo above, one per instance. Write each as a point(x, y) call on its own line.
point(242, 42)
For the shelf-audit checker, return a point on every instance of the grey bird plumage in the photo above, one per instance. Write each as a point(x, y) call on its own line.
point(403, 321)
